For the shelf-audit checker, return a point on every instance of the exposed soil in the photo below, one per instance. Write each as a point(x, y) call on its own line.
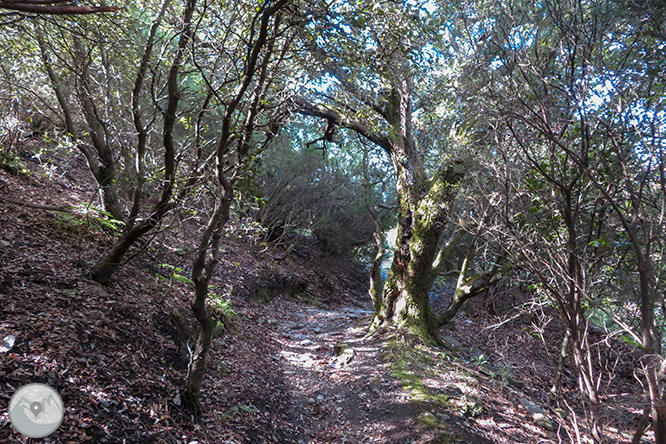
point(300, 367)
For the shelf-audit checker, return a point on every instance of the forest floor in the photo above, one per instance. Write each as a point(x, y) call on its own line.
point(298, 367)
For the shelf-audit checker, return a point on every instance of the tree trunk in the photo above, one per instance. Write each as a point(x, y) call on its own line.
point(104, 168)
point(376, 271)
point(583, 364)
point(467, 287)
point(653, 370)
point(208, 253)
point(133, 231)
point(101, 165)
point(421, 221)
point(56, 85)
point(107, 266)
point(650, 338)
point(574, 313)
point(422, 203)
point(202, 270)
point(378, 256)
point(561, 360)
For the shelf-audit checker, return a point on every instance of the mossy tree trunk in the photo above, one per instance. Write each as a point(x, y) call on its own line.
point(422, 220)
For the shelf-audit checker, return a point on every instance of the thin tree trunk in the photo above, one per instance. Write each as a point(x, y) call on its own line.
point(208, 252)
point(561, 360)
point(202, 270)
point(107, 266)
point(468, 287)
point(658, 405)
point(105, 166)
point(102, 165)
point(643, 424)
point(651, 340)
point(65, 107)
point(141, 129)
point(376, 270)
point(379, 251)
point(582, 362)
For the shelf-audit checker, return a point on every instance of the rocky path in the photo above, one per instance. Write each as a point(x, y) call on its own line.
point(341, 391)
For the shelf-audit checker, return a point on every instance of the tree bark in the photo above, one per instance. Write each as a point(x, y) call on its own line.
point(104, 167)
point(466, 288)
point(56, 84)
point(202, 271)
point(423, 206)
point(53, 7)
point(561, 360)
point(376, 270)
point(379, 251)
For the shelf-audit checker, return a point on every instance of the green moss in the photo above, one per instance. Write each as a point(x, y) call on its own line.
point(431, 421)
point(410, 366)
point(472, 409)
point(444, 438)
point(428, 419)
point(307, 297)
point(14, 165)
point(264, 296)
point(238, 411)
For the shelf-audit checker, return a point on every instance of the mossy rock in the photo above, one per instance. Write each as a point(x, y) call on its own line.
point(472, 409)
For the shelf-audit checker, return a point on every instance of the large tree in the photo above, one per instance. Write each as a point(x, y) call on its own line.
point(383, 73)
point(246, 114)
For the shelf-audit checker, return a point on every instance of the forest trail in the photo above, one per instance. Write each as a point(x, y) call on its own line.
point(292, 372)
point(340, 389)
point(281, 378)
point(341, 383)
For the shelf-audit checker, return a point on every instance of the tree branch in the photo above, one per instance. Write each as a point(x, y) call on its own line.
point(36, 206)
point(53, 7)
point(303, 106)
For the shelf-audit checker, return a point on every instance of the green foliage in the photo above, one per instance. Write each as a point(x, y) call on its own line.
point(175, 274)
point(237, 411)
point(14, 165)
point(480, 359)
point(472, 409)
point(222, 304)
point(630, 340)
point(86, 217)
point(310, 196)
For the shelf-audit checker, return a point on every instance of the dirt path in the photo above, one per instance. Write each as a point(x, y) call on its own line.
point(341, 391)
